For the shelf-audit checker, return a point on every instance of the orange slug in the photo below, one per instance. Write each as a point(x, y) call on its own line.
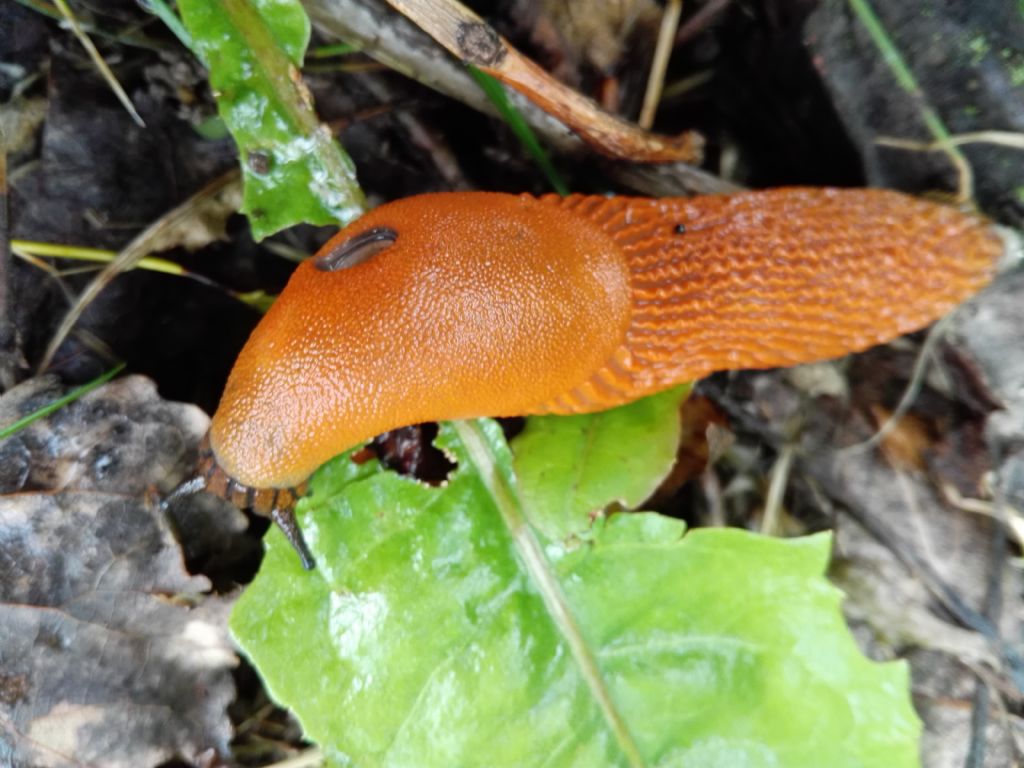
point(458, 305)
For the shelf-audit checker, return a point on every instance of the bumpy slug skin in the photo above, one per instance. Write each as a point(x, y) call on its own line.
point(484, 304)
point(479, 304)
point(774, 278)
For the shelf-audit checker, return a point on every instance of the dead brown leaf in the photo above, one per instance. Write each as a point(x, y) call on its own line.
point(905, 443)
point(112, 653)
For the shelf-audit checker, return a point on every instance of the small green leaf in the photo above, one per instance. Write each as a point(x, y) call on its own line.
point(495, 91)
point(572, 466)
point(434, 633)
point(294, 171)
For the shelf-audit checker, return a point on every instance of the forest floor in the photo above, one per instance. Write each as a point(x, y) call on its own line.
point(913, 452)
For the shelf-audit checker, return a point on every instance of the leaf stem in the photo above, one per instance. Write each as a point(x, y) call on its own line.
point(541, 573)
point(513, 117)
point(98, 61)
point(906, 80)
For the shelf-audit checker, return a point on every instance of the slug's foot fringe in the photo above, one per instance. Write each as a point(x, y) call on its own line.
point(276, 503)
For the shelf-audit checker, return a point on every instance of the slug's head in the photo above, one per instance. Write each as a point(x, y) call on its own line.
point(434, 307)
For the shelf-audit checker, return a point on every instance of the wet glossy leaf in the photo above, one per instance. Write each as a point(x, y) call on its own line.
point(570, 467)
point(433, 632)
point(294, 171)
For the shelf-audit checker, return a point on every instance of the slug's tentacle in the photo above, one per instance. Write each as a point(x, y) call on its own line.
point(276, 503)
point(773, 278)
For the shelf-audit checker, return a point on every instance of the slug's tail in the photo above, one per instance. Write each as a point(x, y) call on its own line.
point(775, 278)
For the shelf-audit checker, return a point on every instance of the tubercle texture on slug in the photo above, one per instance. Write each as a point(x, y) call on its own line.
point(483, 305)
point(773, 278)
point(487, 304)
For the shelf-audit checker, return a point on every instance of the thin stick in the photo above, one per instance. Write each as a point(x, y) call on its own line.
point(97, 59)
point(662, 52)
point(910, 394)
point(473, 41)
point(541, 574)
point(407, 49)
point(999, 138)
point(776, 490)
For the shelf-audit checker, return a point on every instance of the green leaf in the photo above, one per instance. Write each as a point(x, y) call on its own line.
point(572, 466)
point(495, 91)
point(165, 13)
point(293, 169)
point(438, 629)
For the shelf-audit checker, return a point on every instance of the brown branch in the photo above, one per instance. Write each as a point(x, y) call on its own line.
point(400, 45)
